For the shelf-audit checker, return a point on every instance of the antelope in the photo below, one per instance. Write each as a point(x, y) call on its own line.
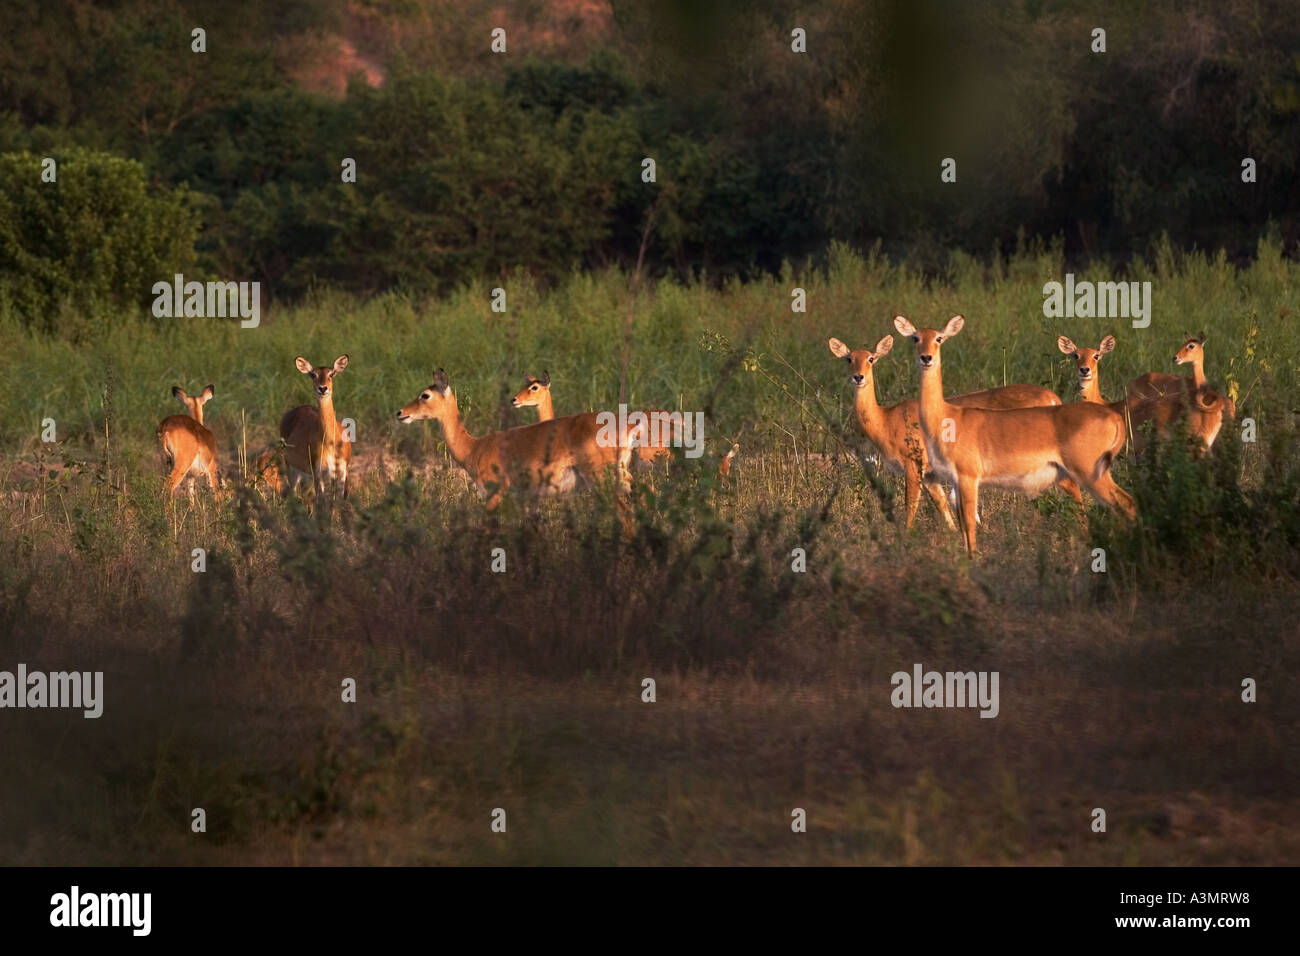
point(536, 393)
point(188, 447)
point(1024, 449)
point(1161, 384)
point(893, 430)
point(1087, 361)
point(314, 446)
point(724, 466)
point(551, 457)
point(1203, 408)
point(268, 470)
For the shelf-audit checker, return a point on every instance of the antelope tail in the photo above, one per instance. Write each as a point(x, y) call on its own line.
point(1208, 401)
point(1108, 456)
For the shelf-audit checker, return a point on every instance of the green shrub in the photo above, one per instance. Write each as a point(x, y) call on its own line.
point(98, 236)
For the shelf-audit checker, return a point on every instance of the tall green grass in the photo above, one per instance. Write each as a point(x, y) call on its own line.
point(576, 331)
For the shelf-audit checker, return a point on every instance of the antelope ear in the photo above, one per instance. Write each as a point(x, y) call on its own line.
point(955, 325)
point(440, 381)
point(545, 380)
point(1065, 345)
point(340, 364)
point(904, 327)
point(838, 348)
point(883, 346)
point(1201, 338)
point(302, 365)
point(1107, 345)
point(208, 394)
point(178, 393)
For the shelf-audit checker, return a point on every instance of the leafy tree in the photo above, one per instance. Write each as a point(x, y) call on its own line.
point(97, 235)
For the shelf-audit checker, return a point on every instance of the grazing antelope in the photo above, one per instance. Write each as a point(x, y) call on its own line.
point(894, 430)
point(546, 458)
point(1025, 449)
point(1160, 384)
point(1203, 408)
point(188, 447)
point(314, 445)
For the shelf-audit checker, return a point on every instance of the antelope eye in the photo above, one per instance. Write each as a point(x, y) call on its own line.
point(424, 396)
point(532, 388)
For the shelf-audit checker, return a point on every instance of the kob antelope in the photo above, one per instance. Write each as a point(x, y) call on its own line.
point(895, 430)
point(1161, 384)
point(187, 446)
point(546, 458)
point(1024, 449)
point(536, 393)
point(1202, 408)
point(314, 446)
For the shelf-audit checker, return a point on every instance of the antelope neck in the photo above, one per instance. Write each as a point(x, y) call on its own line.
point(865, 404)
point(933, 405)
point(459, 441)
point(545, 411)
point(329, 424)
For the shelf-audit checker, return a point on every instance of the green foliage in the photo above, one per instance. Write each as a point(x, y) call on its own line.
point(96, 237)
point(1198, 521)
point(472, 166)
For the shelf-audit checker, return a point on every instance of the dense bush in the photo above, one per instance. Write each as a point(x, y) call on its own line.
point(97, 235)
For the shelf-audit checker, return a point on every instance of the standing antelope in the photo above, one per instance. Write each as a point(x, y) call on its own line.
point(550, 457)
point(1160, 384)
point(1203, 408)
point(187, 446)
point(314, 445)
point(1025, 449)
point(894, 430)
point(536, 393)
point(1088, 363)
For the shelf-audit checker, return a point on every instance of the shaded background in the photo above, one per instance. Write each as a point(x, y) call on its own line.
point(472, 165)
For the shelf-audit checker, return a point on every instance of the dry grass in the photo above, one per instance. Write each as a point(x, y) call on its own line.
point(523, 690)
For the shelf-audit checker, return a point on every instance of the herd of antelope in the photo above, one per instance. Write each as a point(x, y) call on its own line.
point(1019, 437)
point(551, 456)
